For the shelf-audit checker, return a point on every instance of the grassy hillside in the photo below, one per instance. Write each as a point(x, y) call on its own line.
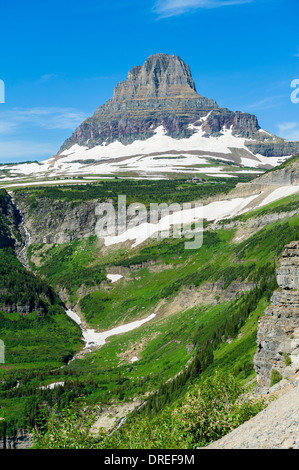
point(207, 304)
point(39, 338)
point(197, 340)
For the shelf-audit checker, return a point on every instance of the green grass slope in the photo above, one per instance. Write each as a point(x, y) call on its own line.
point(207, 304)
point(40, 339)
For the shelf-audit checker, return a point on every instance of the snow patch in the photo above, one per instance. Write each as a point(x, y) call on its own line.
point(114, 277)
point(213, 211)
point(261, 160)
point(279, 193)
point(93, 338)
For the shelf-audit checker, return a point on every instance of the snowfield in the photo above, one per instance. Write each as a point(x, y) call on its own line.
point(157, 154)
point(214, 211)
point(279, 193)
point(141, 155)
point(93, 338)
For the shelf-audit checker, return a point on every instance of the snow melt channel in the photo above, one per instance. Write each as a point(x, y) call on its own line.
point(93, 338)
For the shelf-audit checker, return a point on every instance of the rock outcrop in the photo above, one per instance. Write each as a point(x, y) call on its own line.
point(276, 427)
point(287, 174)
point(22, 440)
point(59, 221)
point(277, 355)
point(284, 175)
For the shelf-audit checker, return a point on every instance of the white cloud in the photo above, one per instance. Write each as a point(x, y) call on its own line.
point(6, 127)
point(46, 118)
point(47, 77)
point(267, 103)
point(167, 8)
point(289, 131)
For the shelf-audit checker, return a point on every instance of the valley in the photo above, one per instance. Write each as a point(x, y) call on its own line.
point(200, 307)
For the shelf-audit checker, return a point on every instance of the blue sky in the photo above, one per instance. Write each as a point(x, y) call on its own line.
point(60, 60)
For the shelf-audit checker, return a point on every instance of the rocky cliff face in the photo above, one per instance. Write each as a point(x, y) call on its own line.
point(273, 147)
point(161, 76)
point(22, 440)
point(59, 221)
point(288, 174)
point(277, 354)
point(13, 235)
point(162, 92)
point(9, 222)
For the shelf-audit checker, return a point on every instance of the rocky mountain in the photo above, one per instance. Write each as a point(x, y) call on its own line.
point(157, 124)
point(162, 92)
point(158, 107)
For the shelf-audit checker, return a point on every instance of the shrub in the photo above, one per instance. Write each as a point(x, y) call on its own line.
point(215, 408)
point(287, 359)
point(275, 377)
point(207, 413)
point(69, 429)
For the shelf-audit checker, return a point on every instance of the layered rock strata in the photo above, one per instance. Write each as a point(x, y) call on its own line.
point(277, 355)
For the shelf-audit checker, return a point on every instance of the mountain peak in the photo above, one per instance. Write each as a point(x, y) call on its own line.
point(161, 94)
point(161, 76)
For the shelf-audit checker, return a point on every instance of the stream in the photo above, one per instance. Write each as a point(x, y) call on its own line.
point(22, 255)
